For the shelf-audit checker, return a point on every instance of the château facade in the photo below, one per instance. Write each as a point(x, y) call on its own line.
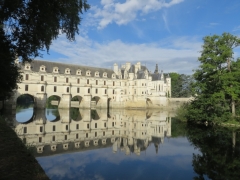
point(126, 86)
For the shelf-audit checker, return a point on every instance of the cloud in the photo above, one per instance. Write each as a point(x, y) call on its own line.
point(178, 54)
point(237, 28)
point(123, 13)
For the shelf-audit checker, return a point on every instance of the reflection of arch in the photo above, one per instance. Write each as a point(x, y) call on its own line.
point(33, 117)
point(148, 114)
point(148, 102)
point(94, 115)
point(75, 114)
point(53, 112)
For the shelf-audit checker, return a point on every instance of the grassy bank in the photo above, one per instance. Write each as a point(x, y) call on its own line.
point(16, 161)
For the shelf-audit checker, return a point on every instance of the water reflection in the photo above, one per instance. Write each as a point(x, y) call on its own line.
point(220, 152)
point(53, 131)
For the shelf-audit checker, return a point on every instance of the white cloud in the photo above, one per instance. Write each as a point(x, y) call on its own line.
point(172, 54)
point(236, 28)
point(123, 13)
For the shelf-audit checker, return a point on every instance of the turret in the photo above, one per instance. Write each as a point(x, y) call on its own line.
point(156, 69)
point(115, 69)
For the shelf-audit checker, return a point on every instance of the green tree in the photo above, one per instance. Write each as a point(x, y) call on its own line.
point(217, 82)
point(180, 85)
point(29, 26)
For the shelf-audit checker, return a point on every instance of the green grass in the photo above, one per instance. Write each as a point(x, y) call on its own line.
point(16, 160)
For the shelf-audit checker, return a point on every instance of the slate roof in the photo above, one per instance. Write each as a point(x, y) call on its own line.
point(36, 64)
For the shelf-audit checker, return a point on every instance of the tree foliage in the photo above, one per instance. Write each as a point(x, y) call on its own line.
point(29, 26)
point(217, 83)
point(181, 85)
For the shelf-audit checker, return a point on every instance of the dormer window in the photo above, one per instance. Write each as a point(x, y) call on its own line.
point(42, 68)
point(113, 75)
point(27, 66)
point(97, 74)
point(55, 70)
point(79, 72)
point(88, 73)
point(67, 71)
point(104, 74)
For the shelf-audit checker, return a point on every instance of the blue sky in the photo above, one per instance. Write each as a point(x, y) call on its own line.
point(164, 32)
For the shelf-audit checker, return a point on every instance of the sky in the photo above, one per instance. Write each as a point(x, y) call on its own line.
point(164, 32)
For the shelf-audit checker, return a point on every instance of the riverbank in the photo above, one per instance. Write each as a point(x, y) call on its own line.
point(16, 160)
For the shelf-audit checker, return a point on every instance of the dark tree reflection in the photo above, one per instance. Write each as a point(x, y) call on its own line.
point(220, 152)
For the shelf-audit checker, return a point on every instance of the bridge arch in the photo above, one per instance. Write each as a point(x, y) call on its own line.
point(76, 101)
point(25, 108)
point(53, 101)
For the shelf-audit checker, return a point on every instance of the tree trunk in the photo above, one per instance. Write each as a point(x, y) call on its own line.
point(233, 108)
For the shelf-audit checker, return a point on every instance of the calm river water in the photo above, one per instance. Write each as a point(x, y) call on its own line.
point(127, 144)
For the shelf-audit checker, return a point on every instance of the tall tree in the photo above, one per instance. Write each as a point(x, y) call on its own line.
point(29, 26)
point(217, 79)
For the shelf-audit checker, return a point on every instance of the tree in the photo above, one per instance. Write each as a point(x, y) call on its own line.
point(29, 26)
point(217, 83)
point(180, 85)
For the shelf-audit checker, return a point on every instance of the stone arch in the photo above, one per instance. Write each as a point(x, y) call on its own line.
point(53, 101)
point(25, 108)
point(76, 101)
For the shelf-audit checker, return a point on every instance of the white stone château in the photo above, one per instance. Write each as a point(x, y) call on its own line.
point(128, 86)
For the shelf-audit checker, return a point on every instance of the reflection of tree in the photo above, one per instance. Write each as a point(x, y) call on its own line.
point(74, 113)
point(220, 158)
point(178, 128)
point(94, 114)
point(24, 101)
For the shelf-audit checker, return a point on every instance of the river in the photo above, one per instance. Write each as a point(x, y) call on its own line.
point(126, 144)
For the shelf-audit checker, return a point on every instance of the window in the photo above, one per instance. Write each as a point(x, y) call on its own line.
point(26, 87)
point(42, 88)
point(41, 129)
point(55, 88)
point(66, 127)
point(78, 90)
point(66, 80)
point(105, 91)
point(113, 83)
point(86, 135)
point(87, 81)
point(112, 124)
point(67, 71)
point(76, 136)
point(104, 82)
point(55, 69)
point(40, 139)
point(53, 138)
point(78, 80)
point(88, 126)
point(95, 125)
point(96, 90)
point(103, 133)
point(105, 124)
point(96, 82)
point(54, 128)
point(42, 78)
point(112, 132)
point(88, 90)
point(95, 134)
point(25, 130)
point(113, 91)
point(65, 137)
point(78, 72)
point(67, 89)
point(26, 77)
point(55, 79)
point(77, 126)
point(42, 68)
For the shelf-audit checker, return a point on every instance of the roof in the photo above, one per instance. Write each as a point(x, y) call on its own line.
point(36, 64)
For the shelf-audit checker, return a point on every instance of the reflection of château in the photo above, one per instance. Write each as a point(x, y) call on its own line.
point(129, 130)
